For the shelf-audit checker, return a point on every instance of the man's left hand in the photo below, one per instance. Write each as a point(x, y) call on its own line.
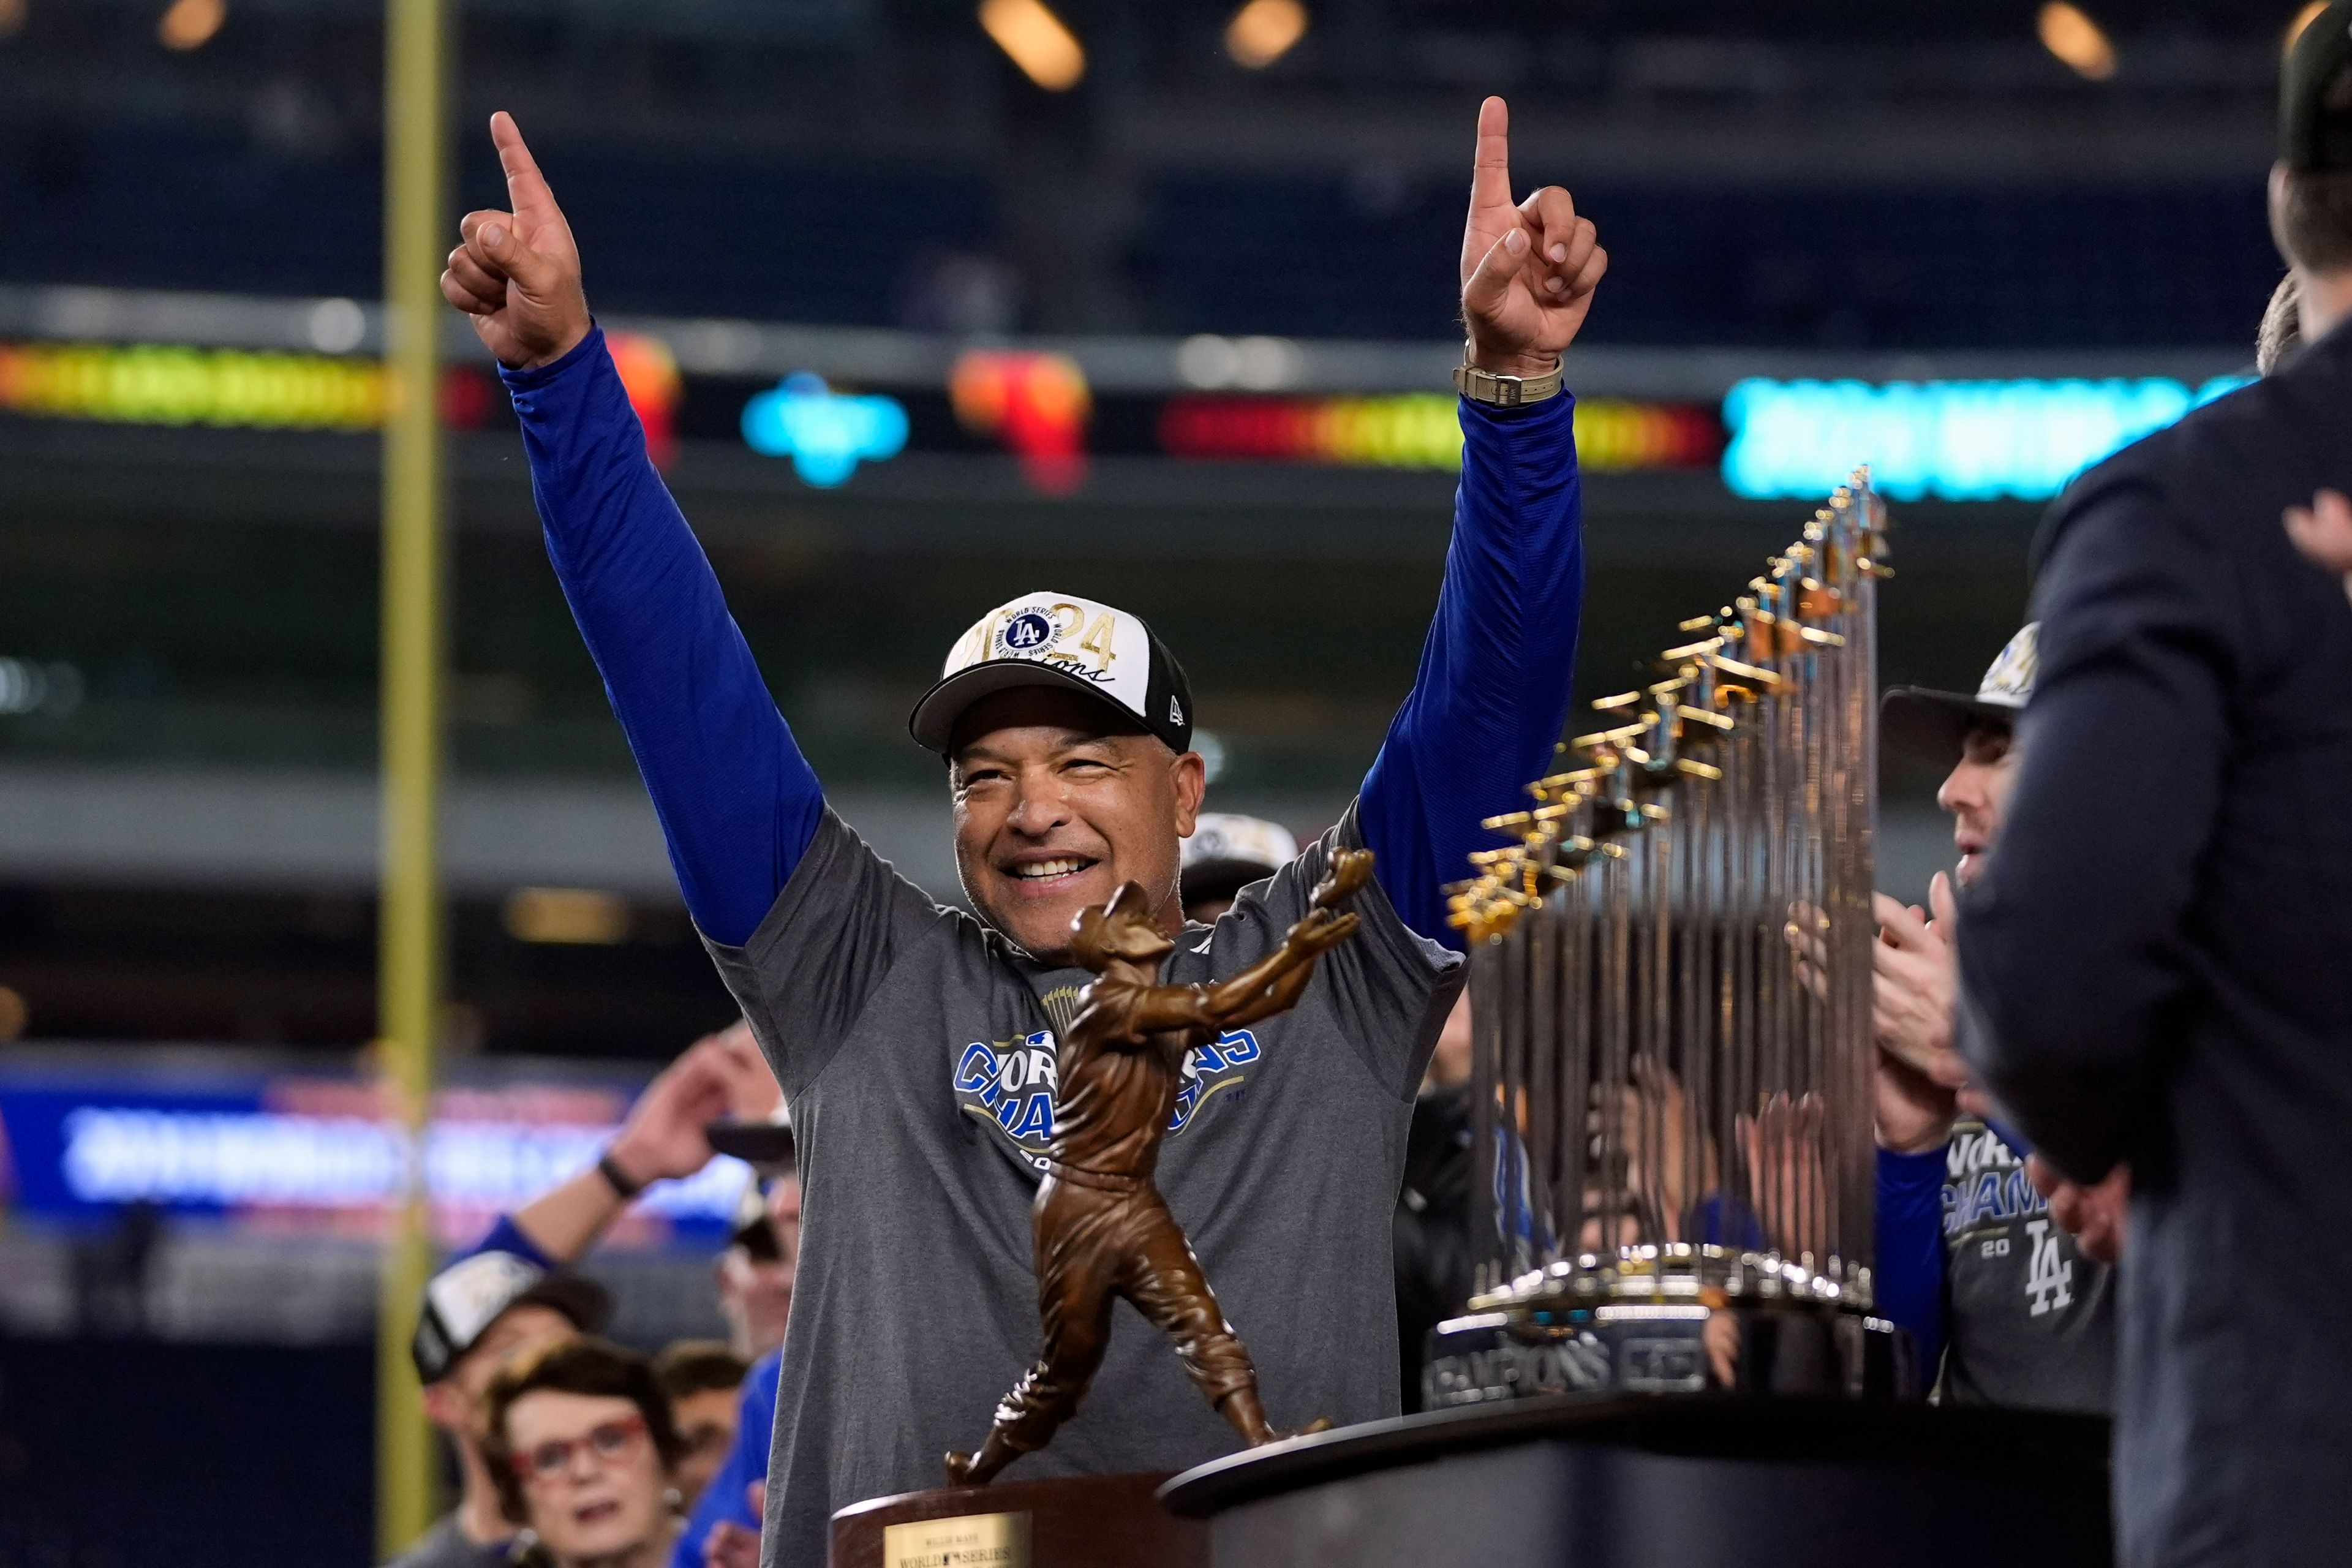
point(1528, 269)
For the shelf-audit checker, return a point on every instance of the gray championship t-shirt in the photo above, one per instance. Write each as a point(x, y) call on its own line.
point(916, 1048)
point(2029, 1321)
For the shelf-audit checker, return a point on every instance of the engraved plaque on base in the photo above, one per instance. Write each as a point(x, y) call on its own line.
point(1066, 1521)
point(968, 1540)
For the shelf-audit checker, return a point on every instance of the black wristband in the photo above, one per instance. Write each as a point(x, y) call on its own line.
point(616, 1177)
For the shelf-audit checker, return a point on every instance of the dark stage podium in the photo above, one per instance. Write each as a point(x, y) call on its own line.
point(1586, 1481)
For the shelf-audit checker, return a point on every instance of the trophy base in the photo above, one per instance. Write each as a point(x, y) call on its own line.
point(1069, 1521)
point(1789, 1347)
point(1634, 1481)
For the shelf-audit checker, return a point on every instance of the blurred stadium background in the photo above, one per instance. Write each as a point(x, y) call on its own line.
point(921, 306)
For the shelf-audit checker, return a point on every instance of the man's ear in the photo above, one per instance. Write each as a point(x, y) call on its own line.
point(1190, 777)
point(445, 1406)
point(2278, 211)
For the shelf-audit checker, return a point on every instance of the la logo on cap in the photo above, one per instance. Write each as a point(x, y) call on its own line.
point(1058, 639)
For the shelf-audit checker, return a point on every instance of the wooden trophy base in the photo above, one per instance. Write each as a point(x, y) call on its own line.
point(1073, 1521)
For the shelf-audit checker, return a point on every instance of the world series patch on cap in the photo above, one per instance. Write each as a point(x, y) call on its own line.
point(1060, 640)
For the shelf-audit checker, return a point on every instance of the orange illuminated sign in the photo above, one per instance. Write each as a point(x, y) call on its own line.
point(1421, 430)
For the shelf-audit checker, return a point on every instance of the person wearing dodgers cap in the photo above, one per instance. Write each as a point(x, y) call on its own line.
point(2019, 1296)
point(917, 1043)
point(1226, 853)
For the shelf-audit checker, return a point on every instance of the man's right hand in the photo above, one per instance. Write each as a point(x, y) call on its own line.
point(516, 274)
point(1527, 269)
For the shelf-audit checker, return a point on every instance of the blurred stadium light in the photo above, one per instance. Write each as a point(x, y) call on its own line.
point(2067, 32)
point(191, 24)
point(587, 917)
point(1262, 31)
point(1037, 40)
point(2302, 18)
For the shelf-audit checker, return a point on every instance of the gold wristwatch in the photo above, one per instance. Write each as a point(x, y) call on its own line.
point(1503, 391)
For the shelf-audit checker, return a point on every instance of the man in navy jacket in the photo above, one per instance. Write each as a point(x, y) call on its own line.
point(2158, 962)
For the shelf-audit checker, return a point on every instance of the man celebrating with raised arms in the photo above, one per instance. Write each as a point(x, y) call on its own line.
point(916, 1042)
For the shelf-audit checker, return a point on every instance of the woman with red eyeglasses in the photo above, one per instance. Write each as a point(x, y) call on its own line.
point(582, 1446)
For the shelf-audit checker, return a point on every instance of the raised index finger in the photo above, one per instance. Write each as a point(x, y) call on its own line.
point(527, 191)
point(1490, 180)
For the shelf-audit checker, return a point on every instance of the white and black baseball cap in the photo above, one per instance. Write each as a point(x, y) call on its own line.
point(464, 1299)
point(1936, 723)
point(1060, 639)
point(1228, 851)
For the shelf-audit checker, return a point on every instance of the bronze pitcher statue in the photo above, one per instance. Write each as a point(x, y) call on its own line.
point(1101, 1228)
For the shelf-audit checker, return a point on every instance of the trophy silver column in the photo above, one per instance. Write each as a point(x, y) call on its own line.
point(1673, 1130)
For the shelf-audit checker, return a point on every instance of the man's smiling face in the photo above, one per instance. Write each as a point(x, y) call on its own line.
point(1058, 802)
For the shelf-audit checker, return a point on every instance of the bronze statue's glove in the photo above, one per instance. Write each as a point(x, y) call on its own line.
point(1321, 932)
point(1350, 871)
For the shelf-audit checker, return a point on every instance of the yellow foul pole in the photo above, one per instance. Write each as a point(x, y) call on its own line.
point(409, 957)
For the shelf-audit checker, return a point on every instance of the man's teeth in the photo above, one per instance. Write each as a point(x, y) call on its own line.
point(1037, 871)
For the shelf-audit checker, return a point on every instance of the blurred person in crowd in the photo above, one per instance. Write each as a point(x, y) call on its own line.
point(514, 1291)
point(1431, 1234)
point(704, 1380)
point(724, 1521)
point(1449, 1064)
point(2155, 965)
point(581, 1443)
point(1062, 788)
point(756, 1271)
point(1226, 853)
point(1975, 1253)
point(481, 1313)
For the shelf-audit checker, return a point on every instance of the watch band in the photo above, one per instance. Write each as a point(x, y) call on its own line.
point(1504, 391)
point(616, 1177)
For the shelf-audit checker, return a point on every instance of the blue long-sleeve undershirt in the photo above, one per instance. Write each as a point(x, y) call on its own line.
point(1910, 1232)
point(1491, 695)
point(739, 804)
point(737, 801)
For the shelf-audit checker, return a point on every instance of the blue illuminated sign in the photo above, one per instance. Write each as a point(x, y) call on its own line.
point(1954, 440)
point(826, 434)
point(76, 1143)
